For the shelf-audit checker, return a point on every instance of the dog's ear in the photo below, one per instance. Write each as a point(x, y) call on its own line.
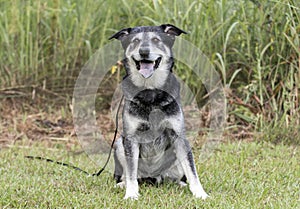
point(120, 34)
point(172, 30)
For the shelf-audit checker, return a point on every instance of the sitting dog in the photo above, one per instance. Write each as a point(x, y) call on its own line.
point(153, 146)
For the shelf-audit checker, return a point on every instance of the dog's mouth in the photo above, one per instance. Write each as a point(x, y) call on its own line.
point(147, 67)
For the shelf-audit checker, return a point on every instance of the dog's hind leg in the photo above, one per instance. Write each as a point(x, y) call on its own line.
point(119, 158)
point(118, 169)
point(182, 182)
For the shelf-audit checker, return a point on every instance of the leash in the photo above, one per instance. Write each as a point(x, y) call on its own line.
point(77, 168)
point(112, 144)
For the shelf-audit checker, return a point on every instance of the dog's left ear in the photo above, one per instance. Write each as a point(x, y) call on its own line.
point(172, 30)
point(120, 34)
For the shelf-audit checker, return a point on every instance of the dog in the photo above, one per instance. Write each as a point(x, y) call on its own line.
point(153, 146)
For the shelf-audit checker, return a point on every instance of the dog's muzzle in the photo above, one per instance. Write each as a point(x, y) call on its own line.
point(147, 67)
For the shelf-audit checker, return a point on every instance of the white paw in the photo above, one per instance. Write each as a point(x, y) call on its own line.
point(198, 192)
point(120, 185)
point(201, 195)
point(182, 184)
point(132, 191)
point(131, 195)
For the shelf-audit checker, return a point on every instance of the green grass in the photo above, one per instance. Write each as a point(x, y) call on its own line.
point(238, 175)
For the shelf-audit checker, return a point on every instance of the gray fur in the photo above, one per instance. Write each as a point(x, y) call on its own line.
point(153, 144)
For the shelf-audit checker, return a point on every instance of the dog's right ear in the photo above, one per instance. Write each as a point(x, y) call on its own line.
point(120, 34)
point(172, 30)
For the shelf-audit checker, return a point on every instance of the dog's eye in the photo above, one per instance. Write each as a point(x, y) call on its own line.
point(155, 40)
point(136, 40)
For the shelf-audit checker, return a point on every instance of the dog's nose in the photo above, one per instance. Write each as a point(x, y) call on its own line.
point(144, 51)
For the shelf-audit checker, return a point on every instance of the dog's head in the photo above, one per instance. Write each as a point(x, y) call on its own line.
point(148, 49)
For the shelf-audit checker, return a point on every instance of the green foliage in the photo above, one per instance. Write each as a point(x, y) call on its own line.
point(277, 133)
point(255, 45)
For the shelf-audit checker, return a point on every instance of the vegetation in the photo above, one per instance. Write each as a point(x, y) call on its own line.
point(254, 45)
point(247, 175)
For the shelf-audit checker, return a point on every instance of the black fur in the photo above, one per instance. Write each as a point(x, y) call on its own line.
point(153, 146)
point(148, 100)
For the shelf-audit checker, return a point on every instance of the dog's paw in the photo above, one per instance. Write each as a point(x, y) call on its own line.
point(203, 195)
point(131, 195)
point(198, 192)
point(132, 191)
point(182, 184)
point(120, 185)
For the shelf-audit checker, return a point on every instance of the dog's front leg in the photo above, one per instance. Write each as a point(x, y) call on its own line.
point(131, 157)
point(185, 156)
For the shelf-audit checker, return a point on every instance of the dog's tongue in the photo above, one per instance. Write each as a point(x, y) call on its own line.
point(146, 69)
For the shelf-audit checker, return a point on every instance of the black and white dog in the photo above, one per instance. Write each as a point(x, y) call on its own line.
point(153, 146)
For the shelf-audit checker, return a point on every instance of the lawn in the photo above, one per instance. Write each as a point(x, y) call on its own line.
point(238, 175)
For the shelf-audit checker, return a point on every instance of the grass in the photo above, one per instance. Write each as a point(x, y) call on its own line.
point(238, 175)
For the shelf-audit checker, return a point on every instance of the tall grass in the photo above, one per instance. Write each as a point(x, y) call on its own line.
point(255, 45)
